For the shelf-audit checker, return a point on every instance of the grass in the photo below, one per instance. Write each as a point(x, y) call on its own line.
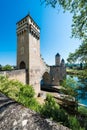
point(19, 92)
point(24, 94)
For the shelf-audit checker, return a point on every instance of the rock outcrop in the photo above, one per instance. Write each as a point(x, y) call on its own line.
point(14, 116)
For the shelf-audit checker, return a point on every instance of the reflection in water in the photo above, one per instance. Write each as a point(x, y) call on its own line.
point(82, 89)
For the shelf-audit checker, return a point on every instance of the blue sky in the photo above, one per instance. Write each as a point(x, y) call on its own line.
point(55, 30)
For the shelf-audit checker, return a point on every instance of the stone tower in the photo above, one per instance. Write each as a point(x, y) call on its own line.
point(28, 50)
point(57, 59)
point(62, 63)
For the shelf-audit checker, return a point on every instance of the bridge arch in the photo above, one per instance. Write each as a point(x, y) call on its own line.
point(45, 80)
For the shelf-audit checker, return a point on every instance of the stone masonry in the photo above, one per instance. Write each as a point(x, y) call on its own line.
point(28, 55)
point(31, 68)
point(14, 116)
point(28, 51)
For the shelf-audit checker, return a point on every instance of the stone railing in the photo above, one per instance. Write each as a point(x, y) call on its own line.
point(14, 116)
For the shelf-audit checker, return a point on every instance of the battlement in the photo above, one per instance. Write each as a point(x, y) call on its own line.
point(27, 23)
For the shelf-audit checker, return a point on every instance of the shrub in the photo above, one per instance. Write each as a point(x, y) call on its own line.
point(10, 88)
point(74, 123)
point(82, 110)
point(7, 67)
point(70, 87)
point(83, 119)
point(52, 110)
point(26, 97)
point(19, 92)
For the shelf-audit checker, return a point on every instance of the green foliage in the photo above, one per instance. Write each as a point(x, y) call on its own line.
point(82, 128)
point(10, 88)
point(82, 110)
point(71, 58)
point(7, 67)
point(74, 124)
point(25, 95)
point(79, 10)
point(0, 67)
point(79, 54)
point(70, 86)
point(19, 92)
point(82, 74)
point(79, 24)
point(52, 110)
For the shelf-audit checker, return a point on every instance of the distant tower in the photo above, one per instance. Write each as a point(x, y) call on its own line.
point(57, 59)
point(62, 63)
point(28, 49)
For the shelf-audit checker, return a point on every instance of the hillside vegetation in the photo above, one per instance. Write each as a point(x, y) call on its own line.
point(24, 94)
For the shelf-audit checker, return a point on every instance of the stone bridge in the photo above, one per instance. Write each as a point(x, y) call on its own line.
point(31, 68)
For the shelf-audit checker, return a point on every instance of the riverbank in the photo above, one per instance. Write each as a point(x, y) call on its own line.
point(81, 83)
point(79, 73)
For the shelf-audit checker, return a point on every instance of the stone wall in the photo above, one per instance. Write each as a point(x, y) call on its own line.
point(36, 72)
point(55, 75)
point(14, 116)
point(29, 58)
point(62, 72)
point(19, 75)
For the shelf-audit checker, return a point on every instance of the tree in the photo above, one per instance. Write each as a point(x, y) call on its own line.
point(0, 67)
point(70, 86)
point(71, 59)
point(79, 10)
point(79, 54)
point(79, 27)
point(7, 67)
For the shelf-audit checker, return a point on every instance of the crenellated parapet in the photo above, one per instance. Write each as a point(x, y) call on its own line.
point(28, 24)
point(34, 32)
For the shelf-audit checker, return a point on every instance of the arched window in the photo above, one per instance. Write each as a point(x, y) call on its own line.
point(22, 65)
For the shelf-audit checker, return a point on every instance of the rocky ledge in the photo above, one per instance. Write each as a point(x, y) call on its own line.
point(14, 116)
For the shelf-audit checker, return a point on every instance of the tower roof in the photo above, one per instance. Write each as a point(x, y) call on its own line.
point(62, 60)
point(57, 55)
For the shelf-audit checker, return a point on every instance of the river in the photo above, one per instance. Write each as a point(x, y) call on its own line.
point(82, 89)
